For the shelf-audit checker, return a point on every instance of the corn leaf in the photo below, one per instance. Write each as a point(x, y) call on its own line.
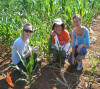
point(30, 64)
point(23, 60)
point(21, 79)
point(19, 69)
point(49, 45)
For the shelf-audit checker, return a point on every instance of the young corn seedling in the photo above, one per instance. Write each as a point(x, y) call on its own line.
point(29, 69)
point(60, 54)
point(59, 50)
point(94, 65)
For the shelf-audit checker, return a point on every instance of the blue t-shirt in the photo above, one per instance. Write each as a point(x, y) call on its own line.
point(22, 47)
point(83, 39)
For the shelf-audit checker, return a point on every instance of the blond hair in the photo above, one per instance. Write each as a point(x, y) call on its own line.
point(76, 16)
point(27, 24)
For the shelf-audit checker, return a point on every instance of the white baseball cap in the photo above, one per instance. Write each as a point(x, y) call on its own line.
point(57, 21)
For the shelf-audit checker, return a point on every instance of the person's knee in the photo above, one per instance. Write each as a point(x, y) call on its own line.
point(83, 51)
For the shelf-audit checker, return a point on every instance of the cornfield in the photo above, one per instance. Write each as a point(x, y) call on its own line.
point(41, 13)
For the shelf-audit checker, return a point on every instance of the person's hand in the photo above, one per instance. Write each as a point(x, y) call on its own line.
point(73, 60)
point(35, 49)
point(28, 54)
point(53, 33)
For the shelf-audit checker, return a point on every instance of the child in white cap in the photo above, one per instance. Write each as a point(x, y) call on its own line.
point(60, 40)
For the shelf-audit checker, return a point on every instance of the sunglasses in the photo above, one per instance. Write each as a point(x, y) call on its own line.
point(26, 30)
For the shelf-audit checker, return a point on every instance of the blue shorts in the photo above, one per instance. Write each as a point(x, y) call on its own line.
point(82, 53)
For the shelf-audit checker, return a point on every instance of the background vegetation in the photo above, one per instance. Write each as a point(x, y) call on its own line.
point(41, 13)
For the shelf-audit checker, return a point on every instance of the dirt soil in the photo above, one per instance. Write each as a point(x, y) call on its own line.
point(51, 77)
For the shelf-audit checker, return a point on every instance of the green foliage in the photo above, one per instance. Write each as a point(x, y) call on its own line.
point(49, 46)
point(41, 13)
point(21, 79)
point(60, 55)
point(23, 60)
point(94, 65)
point(19, 69)
point(59, 50)
point(28, 66)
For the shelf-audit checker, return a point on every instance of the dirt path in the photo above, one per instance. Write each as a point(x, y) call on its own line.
point(49, 76)
point(95, 35)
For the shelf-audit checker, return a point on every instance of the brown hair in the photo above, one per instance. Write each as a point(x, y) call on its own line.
point(62, 25)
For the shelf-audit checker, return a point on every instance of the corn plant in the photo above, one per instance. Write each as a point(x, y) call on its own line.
point(59, 51)
point(60, 54)
point(94, 65)
point(49, 45)
point(29, 69)
point(41, 13)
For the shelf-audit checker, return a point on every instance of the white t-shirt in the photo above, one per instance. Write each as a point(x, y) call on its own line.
point(20, 46)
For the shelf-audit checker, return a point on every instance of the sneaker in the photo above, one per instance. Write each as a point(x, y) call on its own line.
point(79, 66)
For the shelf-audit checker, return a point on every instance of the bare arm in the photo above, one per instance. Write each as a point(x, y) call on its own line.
point(82, 45)
point(28, 55)
point(73, 51)
point(73, 58)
